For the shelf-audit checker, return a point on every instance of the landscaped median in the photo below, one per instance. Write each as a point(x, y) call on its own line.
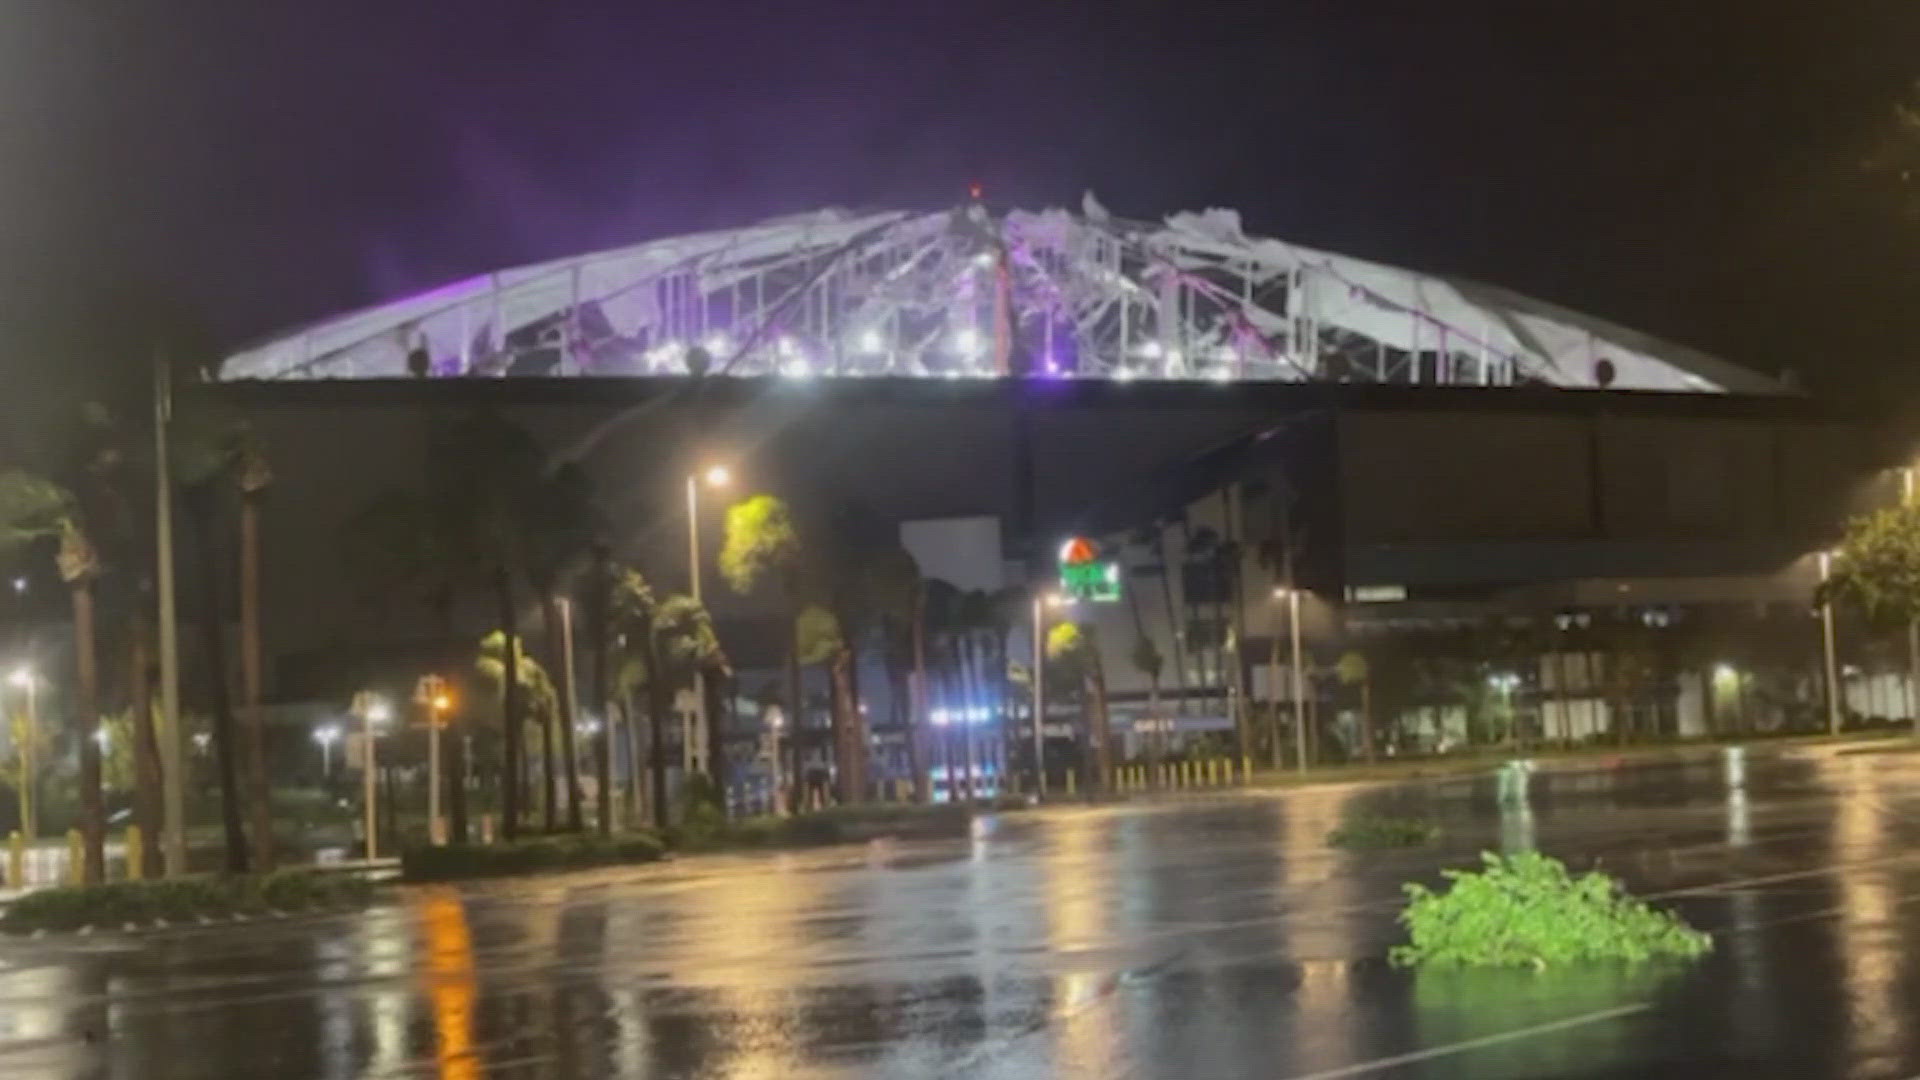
point(140, 904)
point(701, 832)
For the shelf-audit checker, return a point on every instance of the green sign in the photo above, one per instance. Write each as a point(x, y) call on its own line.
point(1086, 576)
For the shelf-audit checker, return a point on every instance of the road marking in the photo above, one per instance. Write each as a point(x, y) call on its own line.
point(1397, 1060)
point(1791, 875)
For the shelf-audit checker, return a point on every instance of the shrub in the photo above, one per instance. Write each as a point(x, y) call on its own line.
point(182, 899)
point(1527, 910)
point(1381, 832)
point(456, 862)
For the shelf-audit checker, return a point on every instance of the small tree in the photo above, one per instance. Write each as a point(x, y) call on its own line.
point(1878, 570)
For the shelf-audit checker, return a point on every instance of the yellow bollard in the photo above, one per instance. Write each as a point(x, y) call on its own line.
point(1213, 772)
point(1070, 782)
point(135, 849)
point(1186, 775)
point(1246, 769)
point(16, 860)
point(76, 856)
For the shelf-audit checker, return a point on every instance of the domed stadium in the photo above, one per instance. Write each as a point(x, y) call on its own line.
point(974, 293)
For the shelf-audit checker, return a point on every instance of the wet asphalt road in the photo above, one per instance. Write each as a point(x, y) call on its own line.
point(1215, 937)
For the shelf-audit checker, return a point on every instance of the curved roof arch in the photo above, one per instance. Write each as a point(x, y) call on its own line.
point(974, 293)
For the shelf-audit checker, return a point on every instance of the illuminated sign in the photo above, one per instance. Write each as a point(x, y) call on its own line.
point(1086, 576)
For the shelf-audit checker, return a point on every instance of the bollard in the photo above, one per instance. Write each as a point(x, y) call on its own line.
point(76, 856)
point(1246, 769)
point(16, 860)
point(1213, 772)
point(135, 852)
point(1186, 774)
point(1070, 783)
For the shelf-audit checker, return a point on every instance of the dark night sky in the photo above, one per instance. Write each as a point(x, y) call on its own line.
point(1690, 168)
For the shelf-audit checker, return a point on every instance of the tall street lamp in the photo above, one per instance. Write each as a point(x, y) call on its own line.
point(1041, 602)
point(373, 711)
point(22, 678)
point(1505, 682)
point(1826, 634)
point(1292, 596)
point(326, 735)
point(435, 697)
point(716, 476)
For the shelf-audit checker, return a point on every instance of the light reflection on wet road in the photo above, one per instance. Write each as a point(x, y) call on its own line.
point(1209, 938)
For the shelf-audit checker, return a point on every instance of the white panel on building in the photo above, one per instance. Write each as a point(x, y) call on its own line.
point(963, 552)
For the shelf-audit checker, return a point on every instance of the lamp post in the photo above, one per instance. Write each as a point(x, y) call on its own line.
point(716, 476)
point(22, 677)
point(1292, 596)
point(774, 720)
point(1826, 634)
point(326, 735)
point(1041, 602)
point(371, 710)
point(437, 702)
point(1504, 682)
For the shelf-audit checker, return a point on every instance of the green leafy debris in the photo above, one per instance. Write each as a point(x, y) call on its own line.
point(1527, 910)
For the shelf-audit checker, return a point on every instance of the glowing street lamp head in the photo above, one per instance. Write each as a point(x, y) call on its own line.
point(326, 734)
point(21, 676)
point(441, 703)
point(718, 476)
point(378, 711)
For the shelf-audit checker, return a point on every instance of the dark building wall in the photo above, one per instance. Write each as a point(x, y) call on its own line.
point(1461, 495)
point(1384, 473)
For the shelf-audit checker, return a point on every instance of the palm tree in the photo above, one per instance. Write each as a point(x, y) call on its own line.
point(1076, 652)
point(109, 492)
point(1176, 623)
point(1146, 657)
point(892, 582)
point(254, 476)
point(685, 644)
point(531, 689)
point(762, 546)
point(201, 501)
point(598, 642)
point(626, 603)
point(636, 614)
point(818, 639)
point(483, 471)
point(34, 509)
point(561, 527)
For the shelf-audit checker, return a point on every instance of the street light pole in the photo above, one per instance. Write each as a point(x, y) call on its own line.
point(1039, 695)
point(1292, 596)
point(325, 737)
point(372, 710)
point(173, 737)
point(718, 477)
point(1826, 633)
point(29, 767)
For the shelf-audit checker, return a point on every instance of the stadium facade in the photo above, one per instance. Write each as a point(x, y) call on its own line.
point(1427, 453)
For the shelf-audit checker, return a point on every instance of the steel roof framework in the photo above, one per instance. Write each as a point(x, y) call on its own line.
point(970, 293)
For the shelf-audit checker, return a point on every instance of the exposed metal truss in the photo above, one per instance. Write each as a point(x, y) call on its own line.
point(971, 293)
